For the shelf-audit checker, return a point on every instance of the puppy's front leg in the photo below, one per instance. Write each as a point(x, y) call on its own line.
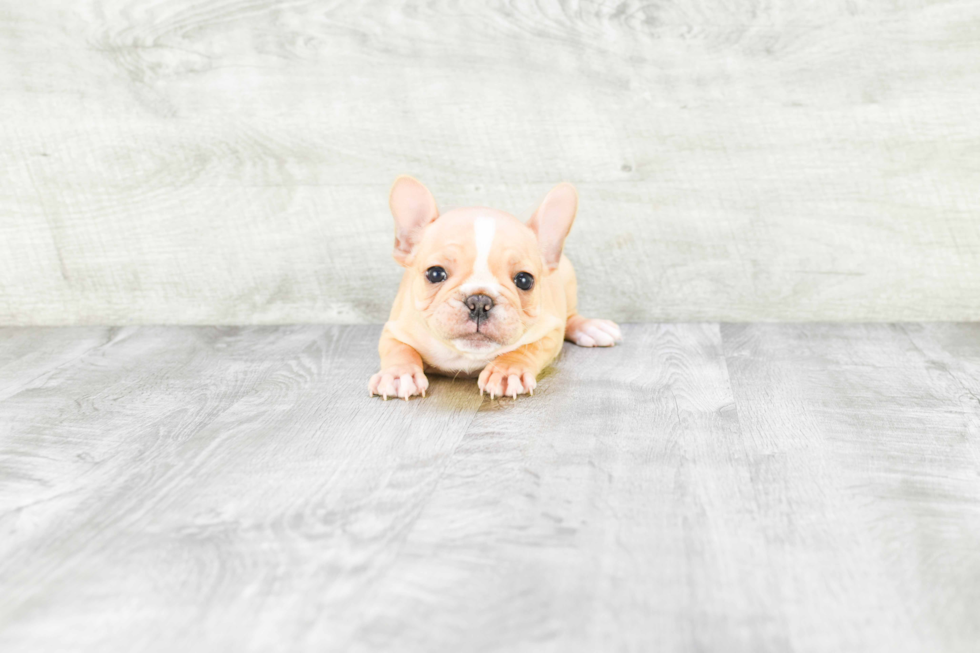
point(516, 372)
point(401, 372)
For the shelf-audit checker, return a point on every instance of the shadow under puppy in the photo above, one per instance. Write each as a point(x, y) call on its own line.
point(482, 292)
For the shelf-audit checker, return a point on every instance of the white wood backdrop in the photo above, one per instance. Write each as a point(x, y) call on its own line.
point(180, 161)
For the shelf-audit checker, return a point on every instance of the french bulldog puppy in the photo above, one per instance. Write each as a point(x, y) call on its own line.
point(482, 292)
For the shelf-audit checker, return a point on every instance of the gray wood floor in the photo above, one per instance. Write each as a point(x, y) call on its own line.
point(755, 487)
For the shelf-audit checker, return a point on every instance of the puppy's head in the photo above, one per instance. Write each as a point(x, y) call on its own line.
point(476, 275)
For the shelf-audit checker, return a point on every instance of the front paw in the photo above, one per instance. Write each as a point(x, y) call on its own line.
point(404, 381)
point(502, 379)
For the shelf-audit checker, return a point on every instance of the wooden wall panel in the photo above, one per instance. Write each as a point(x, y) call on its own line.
point(228, 162)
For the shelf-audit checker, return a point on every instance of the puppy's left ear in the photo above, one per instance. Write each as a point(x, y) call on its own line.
point(413, 208)
point(552, 222)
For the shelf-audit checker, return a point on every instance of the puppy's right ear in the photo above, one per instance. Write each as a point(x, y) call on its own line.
point(413, 207)
point(552, 222)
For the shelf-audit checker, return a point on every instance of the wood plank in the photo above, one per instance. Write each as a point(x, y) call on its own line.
point(189, 162)
point(28, 355)
point(744, 487)
point(84, 423)
point(865, 467)
point(193, 488)
point(953, 354)
point(614, 511)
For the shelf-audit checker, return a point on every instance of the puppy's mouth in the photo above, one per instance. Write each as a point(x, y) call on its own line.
point(472, 332)
point(476, 342)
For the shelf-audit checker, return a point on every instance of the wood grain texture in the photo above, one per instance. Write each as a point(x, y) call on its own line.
point(862, 442)
point(604, 517)
point(227, 162)
point(736, 488)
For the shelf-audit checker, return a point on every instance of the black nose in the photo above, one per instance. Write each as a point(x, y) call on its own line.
point(479, 306)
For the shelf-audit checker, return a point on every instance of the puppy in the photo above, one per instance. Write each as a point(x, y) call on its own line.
point(482, 292)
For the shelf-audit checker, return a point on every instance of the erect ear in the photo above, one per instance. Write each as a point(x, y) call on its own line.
point(413, 207)
point(553, 220)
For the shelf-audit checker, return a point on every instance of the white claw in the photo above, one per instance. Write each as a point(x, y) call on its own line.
point(423, 393)
point(385, 397)
point(491, 395)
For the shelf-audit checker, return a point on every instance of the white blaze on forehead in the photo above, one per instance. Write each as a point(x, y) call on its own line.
point(484, 230)
point(482, 278)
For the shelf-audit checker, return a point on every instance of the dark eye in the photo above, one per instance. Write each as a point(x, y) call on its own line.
point(436, 274)
point(524, 281)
